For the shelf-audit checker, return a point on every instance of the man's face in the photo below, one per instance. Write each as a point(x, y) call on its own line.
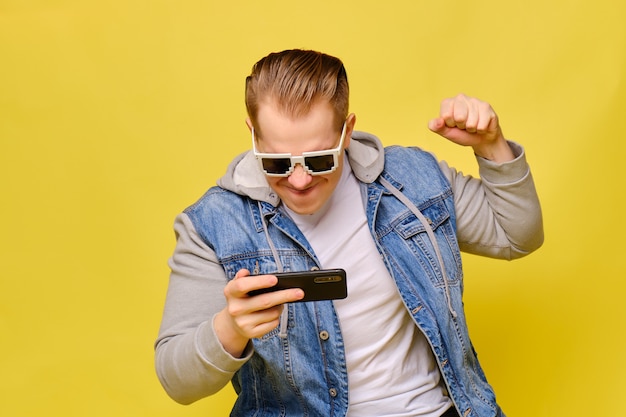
point(316, 131)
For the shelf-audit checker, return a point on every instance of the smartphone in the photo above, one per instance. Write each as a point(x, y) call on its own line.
point(324, 284)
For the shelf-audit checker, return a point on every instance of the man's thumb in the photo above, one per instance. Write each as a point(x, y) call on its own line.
point(437, 125)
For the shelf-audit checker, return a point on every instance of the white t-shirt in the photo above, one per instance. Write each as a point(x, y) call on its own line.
point(391, 368)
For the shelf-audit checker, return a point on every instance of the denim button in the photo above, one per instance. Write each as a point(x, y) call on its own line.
point(324, 335)
point(332, 392)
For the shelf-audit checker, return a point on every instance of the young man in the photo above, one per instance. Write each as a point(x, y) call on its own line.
point(314, 193)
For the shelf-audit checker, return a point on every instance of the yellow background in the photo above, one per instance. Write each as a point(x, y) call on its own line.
point(115, 115)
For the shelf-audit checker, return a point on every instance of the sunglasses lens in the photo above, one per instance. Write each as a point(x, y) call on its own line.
point(276, 166)
point(320, 163)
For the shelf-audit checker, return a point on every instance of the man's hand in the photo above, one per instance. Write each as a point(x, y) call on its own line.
point(468, 121)
point(246, 317)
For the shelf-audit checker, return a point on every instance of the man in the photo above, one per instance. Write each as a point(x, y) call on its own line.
point(394, 218)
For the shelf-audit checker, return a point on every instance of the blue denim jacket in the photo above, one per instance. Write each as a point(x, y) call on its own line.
point(299, 369)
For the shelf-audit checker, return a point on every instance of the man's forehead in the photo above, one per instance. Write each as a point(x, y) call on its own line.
point(271, 117)
point(291, 109)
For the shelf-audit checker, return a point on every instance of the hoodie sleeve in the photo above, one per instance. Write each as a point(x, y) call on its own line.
point(498, 215)
point(190, 360)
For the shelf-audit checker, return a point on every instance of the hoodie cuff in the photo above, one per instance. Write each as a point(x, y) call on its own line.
point(506, 172)
point(212, 351)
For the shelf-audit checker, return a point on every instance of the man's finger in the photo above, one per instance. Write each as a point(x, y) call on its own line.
point(437, 125)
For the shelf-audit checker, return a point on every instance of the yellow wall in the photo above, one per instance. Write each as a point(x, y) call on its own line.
point(115, 115)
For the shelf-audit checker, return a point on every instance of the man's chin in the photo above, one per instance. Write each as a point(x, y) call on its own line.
point(302, 202)
point(303, 209)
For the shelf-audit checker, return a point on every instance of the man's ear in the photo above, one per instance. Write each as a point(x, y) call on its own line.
point(249, 123)
point(350, 122)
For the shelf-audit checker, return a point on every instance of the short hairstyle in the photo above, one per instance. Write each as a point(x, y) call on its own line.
point(295, 79)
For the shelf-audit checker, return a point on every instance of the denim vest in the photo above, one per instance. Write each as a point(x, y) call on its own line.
point(299, 369)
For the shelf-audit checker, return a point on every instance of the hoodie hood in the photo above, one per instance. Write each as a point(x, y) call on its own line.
point(244, 176)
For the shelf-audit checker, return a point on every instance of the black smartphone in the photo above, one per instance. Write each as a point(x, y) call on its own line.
point(324, 284)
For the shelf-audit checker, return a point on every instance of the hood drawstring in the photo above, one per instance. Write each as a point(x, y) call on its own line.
point(431, 236)
point(285, 314)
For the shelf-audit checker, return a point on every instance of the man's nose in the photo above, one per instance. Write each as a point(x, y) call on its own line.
point(299, 178)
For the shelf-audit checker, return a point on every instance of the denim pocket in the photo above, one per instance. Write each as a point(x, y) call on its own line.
point(414, 235)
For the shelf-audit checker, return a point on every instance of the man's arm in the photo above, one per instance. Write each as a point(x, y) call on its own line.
point(208, 321)
point(190, 361)
point(498, 215)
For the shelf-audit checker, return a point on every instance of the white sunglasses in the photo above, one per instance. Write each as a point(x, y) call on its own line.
point(315, 163)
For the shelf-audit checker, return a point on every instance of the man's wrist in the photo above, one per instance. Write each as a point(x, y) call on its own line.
point(497, 151)
point(232, 342)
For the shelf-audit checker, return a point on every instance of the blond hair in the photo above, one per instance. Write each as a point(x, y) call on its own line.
point(294, 80)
